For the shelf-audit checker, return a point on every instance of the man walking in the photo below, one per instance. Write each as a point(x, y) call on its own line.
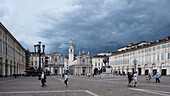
point(43, 78)
point(157, 76)
point(130, 78)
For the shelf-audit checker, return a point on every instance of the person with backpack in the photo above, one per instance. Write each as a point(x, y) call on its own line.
point(157, 76)
point(43, 79)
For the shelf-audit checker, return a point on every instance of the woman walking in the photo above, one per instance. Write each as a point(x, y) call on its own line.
point(66, 79)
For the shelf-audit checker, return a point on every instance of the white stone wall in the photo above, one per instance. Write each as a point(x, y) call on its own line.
point(12, 54)
point(97, 63)
point(148, 59)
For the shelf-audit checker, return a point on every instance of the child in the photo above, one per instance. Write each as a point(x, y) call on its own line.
point(66, 79)
point(135, 77)
point(148, 78)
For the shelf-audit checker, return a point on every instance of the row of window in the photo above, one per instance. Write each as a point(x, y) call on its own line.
point(98, 64)
point(8, 51)
point(146, 67)
point(141, 60)
point(143, 51)
point(9, 40)
point(120, 62)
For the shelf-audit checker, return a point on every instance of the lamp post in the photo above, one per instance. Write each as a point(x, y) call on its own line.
point(135, 62)
point(38, 52)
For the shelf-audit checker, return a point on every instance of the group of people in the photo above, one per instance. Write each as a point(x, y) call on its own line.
point(43, 79)
point(157, 77)
point(133, 78)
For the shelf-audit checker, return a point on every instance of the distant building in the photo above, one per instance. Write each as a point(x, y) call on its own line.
point(97, 63)
point(55, 63)
point(79, 65)
point(34, 61)
point(150, 58)
point(52, 63)
point(12, 54)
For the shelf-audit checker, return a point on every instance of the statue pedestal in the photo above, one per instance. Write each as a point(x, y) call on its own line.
point(106, 70)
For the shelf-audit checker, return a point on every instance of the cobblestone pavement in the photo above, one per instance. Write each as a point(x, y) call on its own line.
point(83, 86)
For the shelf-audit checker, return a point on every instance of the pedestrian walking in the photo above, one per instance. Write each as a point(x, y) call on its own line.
point(43, 79)
point(130, 78)
point(66, 79)
point(157, 76)
point(135, 79)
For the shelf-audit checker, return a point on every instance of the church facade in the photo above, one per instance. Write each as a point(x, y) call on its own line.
point(81, 64)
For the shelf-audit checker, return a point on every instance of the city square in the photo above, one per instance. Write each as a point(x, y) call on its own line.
point(85, 48)
point(83, 86)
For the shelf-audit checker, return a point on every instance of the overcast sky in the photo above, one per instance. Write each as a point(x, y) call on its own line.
point(94, 25)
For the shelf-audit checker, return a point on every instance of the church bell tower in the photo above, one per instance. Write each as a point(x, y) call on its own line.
point(71, 52)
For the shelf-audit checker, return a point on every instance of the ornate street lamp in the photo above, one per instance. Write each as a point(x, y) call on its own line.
point(38, 52)
point(135, 62)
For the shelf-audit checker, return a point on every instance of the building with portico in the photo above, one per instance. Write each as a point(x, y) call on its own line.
point(151, 57)
point(12, 54)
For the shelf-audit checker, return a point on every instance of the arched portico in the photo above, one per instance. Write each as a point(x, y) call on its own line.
point(1, 65)
point(96, 71)
point(163, 67)
point(154, 69)
point(139, 70)
point(146, 69)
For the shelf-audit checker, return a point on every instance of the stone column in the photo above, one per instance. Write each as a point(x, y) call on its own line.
point(143, 71)
point(15, 69)
point(3, 70)
point(12, 69)
point(168, 70)
point(121, 71)
point(81, 71)
point(126, 71)
point(88, 70)
point(8, 70)
point(18, 70)
point(150, 70)
point(158, 69)
point(51, 69)
point(60, 69)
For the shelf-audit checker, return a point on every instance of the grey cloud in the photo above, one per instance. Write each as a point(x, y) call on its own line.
point(106, 25)
point(2, 9)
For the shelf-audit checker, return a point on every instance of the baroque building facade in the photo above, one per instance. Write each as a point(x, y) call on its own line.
point(151, 57)
point(12, 54)
point(79, 65)
point(55, 63)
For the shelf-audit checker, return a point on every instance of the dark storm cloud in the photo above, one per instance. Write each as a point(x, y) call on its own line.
point(102, 26)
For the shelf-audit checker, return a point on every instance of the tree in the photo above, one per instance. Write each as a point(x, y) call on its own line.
point(66, 56)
